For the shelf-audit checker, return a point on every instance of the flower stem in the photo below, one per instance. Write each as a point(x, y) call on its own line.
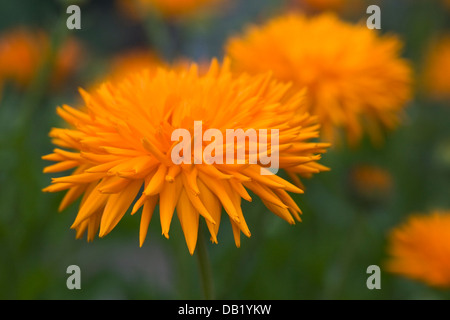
point(204, 266)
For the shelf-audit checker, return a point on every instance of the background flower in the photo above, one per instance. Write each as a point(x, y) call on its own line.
point(355, 78)
point(420, 248)
point(23, 52)
point(437, 67)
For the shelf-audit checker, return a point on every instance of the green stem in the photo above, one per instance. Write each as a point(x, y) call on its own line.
point(204, 266)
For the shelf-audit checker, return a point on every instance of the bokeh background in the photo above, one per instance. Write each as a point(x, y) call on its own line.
point(347, 212)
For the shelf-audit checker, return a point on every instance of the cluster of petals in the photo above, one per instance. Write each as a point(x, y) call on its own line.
point(118, 146)
point(419, 248)
point(357, 81)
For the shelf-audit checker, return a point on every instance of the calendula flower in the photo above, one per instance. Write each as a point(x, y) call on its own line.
point(167, 8)
point(23, 52)
point(121, 147)
point(419, 249)
point(437, 68)
point(355, 78)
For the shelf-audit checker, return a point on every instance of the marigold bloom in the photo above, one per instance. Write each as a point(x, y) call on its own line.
point(420, 249)
point(122, 143)
point(437, 69)
point(355, 78)
point(23, 52)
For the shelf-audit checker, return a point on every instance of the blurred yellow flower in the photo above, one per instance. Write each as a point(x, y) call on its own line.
point(437, 69)
point(23, 52)
point(355, 78)
point(420, 249)
point(122, 142)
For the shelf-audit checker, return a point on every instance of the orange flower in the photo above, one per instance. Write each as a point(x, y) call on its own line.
point(355, 78)
point(420, 249)
point(437, 69)
point(22, 53)
point(123, 142)
point(67, 60)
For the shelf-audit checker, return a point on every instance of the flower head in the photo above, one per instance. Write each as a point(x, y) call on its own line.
point(420, 249)
point(121, 148)
point(23, 52)
point(355, 78)
point(21, 55)
point(437, 68)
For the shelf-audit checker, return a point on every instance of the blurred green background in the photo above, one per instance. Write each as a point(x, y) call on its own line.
point(324, 257)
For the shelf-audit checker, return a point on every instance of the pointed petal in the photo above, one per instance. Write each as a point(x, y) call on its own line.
point(147, 213)
point(117, 205)
point(189, 219)
point(213, 206)
point(168, 199)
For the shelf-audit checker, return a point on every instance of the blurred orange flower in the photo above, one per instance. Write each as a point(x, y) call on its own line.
point(355, 78)
point(437, 69)
point(22, 53)
point(420, 249)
